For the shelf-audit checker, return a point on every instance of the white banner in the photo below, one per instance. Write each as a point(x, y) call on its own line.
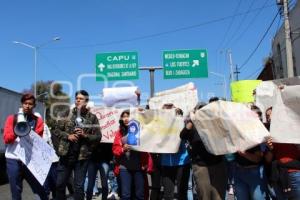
point(189, 86)
point(109, 122)
point(120, 96)
point(36, 154)
point(285, 122)
point(158, 131)
point(228, 127)
point(184, 97)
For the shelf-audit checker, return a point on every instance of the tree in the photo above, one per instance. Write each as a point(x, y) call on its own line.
point(55, 100)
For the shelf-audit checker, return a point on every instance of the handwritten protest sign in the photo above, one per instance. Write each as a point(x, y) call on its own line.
point(285, 123)
point(109, 122)
point(36, 154)
point(158, 132)
point(184, 97)
point(227, 127)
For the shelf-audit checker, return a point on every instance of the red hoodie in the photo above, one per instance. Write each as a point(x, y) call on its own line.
point(9, 135)
point(117, 148)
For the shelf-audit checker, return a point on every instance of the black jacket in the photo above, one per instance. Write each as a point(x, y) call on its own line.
point(197, 150)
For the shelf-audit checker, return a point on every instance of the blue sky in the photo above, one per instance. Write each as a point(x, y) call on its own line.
point(90, 27)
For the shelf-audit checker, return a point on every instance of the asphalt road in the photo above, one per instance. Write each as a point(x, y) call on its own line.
point(28, 195)
point(5, 192)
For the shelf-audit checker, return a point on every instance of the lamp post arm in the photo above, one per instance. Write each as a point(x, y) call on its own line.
point(24, 44)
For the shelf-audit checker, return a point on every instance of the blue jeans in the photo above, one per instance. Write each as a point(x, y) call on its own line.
point(103, 168)
point(127, 177)
point(16, 172)
point(112, 181)
point(294, 194)
point(64, 170)
point(250, 183)
point(190, 193)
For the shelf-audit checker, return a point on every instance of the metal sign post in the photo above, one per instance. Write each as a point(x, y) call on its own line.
point(151, 70)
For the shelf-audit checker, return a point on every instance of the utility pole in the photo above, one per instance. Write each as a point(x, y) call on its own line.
point(288, 41)
point(231, 65)
point(236, 73)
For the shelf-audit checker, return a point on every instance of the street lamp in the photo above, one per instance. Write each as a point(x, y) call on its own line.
point(224, 82)
point(44, 104)
point(35, 49)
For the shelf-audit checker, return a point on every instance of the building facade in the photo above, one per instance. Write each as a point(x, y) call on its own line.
point(278, 46)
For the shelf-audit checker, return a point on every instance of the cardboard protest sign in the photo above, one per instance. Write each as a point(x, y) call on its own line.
point(109, 122)
point(242, 91)
point(265, 96)
point(184, 97)
point(285, 123)
point(36, 154)
point(155, 131)
point(228, 127)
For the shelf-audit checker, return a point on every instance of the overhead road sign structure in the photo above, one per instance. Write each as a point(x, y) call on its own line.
point(117, 66)
point(185, 64)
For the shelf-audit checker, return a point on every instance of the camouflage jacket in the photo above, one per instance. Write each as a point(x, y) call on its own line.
point(66, 127)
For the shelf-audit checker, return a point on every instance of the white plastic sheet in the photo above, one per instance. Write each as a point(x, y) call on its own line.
point(285, 123)
point(227, 127)
point(184, 97)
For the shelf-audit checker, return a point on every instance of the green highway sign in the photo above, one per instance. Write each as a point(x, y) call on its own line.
point(185, 64)
point(117, 66)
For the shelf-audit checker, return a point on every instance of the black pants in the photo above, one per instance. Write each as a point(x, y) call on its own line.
point(64, 171)
point(155, 178)
point(171, 175)
point(155, 185)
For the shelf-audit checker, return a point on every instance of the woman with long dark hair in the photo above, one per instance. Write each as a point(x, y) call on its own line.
point(131, 165)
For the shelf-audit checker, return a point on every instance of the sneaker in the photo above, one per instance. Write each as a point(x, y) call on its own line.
point(113, 195)
point(230, 190)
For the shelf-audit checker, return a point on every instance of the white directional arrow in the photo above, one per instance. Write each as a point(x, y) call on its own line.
point(195, 63)
point(101, 66)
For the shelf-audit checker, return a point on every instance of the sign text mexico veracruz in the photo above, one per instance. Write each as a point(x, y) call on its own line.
point(117, 66)
point(185, 64)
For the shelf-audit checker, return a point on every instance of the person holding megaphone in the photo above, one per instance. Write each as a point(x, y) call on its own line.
point(16, 126)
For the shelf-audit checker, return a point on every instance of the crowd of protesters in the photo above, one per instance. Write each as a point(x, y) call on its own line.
point(266, 171)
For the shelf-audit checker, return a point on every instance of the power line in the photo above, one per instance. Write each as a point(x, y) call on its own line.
point(248, 26)
point(236, 72)
point(259, 43)
point(255, 72)
point(55, 66)
point(162, 33)
point(278, 25)
point(240, 24)
point(231, 22)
